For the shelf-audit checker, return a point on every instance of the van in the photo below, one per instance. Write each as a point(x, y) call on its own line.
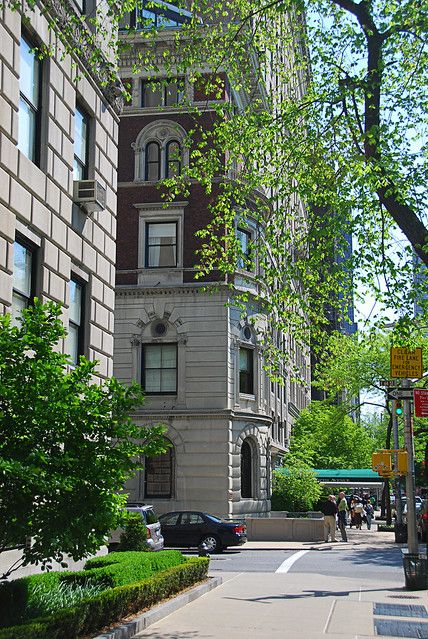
point(154, 533)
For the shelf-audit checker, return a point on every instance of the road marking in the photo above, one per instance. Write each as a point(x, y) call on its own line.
point(286, 565)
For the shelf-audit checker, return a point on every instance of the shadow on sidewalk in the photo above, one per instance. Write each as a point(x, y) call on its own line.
point(386, 557)
point(316, 593)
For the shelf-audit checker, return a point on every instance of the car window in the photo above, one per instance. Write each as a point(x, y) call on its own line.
point(170, 520)
point(191, 519)
point(151, 517)
point(216, 519)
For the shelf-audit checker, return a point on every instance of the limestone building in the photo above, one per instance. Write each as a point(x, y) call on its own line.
point(198, 360)
point(58, 169)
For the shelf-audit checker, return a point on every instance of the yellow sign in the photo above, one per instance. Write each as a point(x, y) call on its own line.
point(401, 468)
point(406, 363)
point(382, 462)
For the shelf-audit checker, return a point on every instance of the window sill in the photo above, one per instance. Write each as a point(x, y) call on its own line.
point(247, 396)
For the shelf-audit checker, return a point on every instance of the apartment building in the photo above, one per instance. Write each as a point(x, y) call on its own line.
point(58, 169)
point(197, 357)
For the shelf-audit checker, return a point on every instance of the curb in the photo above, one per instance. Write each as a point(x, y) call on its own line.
point(132, 628)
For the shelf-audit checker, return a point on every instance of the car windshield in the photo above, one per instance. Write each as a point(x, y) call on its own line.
point(216, 519)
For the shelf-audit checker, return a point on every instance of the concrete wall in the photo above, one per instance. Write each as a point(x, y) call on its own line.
point(284, 529)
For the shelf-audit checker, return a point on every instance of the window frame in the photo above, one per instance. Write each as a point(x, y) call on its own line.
point(17, 293)
point(86, 118)
point(148, 461)
point(148, 162)
point(248, 372)
point(245, 261)
point(81, 345)
point(36, 109)
point(163, 85)
point(148, 224)
point(168, 161)
point(143, 368)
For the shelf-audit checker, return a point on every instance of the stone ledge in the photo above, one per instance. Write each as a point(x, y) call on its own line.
point(132, 628)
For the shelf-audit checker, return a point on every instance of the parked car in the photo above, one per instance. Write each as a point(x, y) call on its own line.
point(184, 529)
point(422, 521)
point(155, 539)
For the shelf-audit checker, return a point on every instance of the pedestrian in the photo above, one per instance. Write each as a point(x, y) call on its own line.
point(352, 512)
point(329, 510)
point(369, 510)
point(342, 509)
point(358, 514)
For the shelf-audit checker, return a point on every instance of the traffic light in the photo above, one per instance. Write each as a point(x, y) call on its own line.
point(398, 407)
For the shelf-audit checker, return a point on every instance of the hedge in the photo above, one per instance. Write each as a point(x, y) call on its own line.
point(110, 571)
point(90, 615)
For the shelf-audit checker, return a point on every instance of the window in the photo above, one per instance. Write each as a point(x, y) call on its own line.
point(246, 470)
point(244, 258)
point(153, 164)
point(29, 101)
point(76, 324)
point(22, 278)
point(191, 519)
point(246, 373)
point(172, 159)
point(81, 133)
point(161, 244)
point(162, 93)
point(158, 475)
point(159, 369)
point(162, 15)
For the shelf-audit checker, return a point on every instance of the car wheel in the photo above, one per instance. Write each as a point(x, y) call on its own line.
point(212, 543)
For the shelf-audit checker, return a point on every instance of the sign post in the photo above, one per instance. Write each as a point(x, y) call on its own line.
point(407, 364)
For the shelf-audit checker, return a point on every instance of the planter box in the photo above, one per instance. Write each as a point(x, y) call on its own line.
point(284, 529)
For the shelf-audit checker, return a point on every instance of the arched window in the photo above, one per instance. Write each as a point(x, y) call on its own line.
point(158, 477)
point(246, 470)
point(153, 164)
point(172, 159)
point(160, 151)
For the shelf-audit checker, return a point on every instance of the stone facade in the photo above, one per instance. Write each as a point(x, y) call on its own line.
point(38, 213)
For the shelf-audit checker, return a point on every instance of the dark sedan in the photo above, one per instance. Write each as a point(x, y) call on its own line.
point(190, 528)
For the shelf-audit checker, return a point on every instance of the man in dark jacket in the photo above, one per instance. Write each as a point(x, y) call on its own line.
point(329, 510)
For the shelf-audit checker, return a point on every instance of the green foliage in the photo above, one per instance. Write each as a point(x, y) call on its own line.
point(134, 536)
point(94, 613)
point(326, 437)
point(67, 444)
point(296, 491)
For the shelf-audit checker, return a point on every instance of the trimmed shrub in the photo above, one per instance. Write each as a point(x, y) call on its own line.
point(93, 613)
point(21, 599)
point(134, 536)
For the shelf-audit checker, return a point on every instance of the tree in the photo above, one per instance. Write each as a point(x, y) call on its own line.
point(336, 149)
point(67, 444)
point(325, 437)
point(296, 491)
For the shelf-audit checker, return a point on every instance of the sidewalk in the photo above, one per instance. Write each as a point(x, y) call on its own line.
point(303, 605)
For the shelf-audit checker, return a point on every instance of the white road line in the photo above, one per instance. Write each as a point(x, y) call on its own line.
point(286, 565)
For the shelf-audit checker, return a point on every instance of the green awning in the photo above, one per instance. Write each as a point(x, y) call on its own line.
point(336, 474)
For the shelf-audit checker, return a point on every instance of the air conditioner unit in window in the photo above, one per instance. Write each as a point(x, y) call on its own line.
point(89, 195)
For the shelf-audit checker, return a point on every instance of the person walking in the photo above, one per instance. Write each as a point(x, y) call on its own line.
point(329, 510)
point(358, 514)
point(369, 510)
point(342, 509)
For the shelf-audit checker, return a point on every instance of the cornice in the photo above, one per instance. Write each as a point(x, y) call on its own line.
point(169, 415)
point(160, 206)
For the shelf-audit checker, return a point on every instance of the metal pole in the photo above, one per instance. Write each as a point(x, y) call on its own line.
point(397, 483)
point(412, 537)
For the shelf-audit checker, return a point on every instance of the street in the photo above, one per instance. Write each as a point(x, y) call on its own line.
point(307, 590)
